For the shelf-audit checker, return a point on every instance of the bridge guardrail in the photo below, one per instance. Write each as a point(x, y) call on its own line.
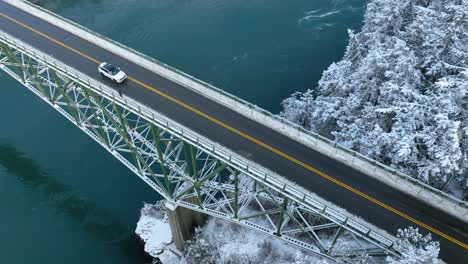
point(290, 129)
point(290, 190)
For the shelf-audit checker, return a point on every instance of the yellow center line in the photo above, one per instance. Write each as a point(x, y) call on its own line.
point(250, 138)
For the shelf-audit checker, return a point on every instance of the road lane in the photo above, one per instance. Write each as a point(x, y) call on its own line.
point(370, 211)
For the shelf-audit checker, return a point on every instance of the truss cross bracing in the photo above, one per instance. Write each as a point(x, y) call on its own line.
point(185, 168)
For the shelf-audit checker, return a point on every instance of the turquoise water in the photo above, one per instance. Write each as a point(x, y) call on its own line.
point(63, 199)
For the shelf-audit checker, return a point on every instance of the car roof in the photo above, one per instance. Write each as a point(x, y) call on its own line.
point(108, 66)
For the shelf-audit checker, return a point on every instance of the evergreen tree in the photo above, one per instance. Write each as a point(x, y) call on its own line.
point(415, 248)
point(399, 95)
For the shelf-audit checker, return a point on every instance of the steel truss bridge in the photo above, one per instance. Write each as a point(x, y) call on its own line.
point(185, 168)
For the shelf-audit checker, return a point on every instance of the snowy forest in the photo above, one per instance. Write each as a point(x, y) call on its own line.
point(238, 244)
point(400, 93)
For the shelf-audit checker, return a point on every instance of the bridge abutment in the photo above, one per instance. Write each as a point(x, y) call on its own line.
point(183, 222)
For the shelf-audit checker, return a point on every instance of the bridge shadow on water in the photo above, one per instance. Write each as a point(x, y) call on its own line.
point(65, 201)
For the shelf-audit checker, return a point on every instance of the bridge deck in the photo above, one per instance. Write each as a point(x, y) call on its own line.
point(328, 190)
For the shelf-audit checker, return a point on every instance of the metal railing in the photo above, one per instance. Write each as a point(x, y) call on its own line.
point(275, 182)
point(277, 118)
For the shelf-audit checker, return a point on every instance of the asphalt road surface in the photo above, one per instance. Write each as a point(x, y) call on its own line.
point(453, 249)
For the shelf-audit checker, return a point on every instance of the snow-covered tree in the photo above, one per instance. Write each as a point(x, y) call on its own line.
point(415, 248)
point(223, 242)
point(348, 253)
point(400, 93)
point(200, 250)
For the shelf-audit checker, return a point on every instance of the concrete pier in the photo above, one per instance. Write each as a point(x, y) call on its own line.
point(183, 222)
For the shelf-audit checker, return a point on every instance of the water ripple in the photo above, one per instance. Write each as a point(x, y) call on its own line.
point(93, 219)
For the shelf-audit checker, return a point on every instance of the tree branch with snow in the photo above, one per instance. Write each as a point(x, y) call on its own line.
point(400, 93)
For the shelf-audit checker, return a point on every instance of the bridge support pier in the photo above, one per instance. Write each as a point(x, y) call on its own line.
point(183, 222)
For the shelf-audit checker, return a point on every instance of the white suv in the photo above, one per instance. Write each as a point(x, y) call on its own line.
point(110, 71)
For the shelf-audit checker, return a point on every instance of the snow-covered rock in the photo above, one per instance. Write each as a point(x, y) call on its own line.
point(153, 228)
point(155, 233)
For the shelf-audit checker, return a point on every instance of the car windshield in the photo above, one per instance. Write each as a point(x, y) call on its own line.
point(114, 70)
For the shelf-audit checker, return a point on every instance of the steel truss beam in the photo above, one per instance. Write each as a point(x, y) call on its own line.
point(185, 168)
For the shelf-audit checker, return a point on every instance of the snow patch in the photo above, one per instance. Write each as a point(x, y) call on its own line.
point(155, 233)
point(153, 228)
